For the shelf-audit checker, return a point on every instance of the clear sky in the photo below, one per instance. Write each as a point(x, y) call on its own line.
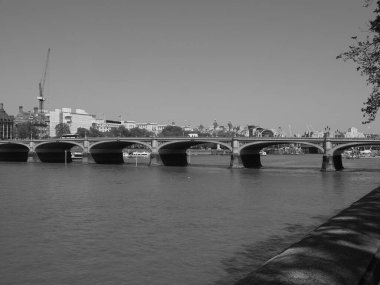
point(265, 62)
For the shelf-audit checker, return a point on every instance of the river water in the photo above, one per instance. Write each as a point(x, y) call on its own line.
point(128, 224)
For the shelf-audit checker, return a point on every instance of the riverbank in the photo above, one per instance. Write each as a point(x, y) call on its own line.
point(344, 250)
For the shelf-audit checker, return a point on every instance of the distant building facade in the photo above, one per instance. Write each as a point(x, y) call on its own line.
point(256, 131)
point(39, 122)
point(129, 124)
point(106, 125)
point(75, 118)
point(354, 133)
point(6, 124)
point(151, 127)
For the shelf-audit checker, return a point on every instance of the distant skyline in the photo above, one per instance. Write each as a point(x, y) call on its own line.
point(266, 62)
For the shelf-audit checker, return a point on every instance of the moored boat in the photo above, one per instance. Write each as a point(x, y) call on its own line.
point(76, 155)
point(263, 153)
point(143, 154)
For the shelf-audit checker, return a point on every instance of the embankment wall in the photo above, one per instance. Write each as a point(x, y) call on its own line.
point(344, 250)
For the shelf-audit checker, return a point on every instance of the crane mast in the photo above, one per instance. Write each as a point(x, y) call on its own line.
point(41, 85)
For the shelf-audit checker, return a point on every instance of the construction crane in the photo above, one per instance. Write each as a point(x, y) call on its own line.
point(41, 85)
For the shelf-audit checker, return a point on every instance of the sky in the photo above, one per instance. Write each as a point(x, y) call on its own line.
point(264, 62)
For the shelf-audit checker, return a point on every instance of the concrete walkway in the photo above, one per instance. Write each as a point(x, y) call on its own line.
point(344, 250)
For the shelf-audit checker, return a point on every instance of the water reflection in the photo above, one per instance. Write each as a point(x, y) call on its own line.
point(162, 225)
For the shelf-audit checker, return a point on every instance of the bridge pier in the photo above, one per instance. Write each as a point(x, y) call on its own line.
point(328, 160)
point(32, 154)
point(33, 157)
point(155, 158)
point(327, 163)
point(235, 156)
point(87, 158)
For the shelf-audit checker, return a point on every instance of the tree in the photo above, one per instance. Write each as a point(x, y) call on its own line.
point(94, 133)
point(124, 132)
point(201, 128)
point(137, 132)
point(172, 131)
point(215, 124)
point(26, 131)
point(113, 132)
point(83, 132)
point(366, 55)
point(62, 129)
point(230, 126)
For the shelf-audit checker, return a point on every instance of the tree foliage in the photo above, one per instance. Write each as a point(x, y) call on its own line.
point(137, 132)
point(366, 55)
point(26, 131)
point(94, 133)
point(230, 126)
point(172, 131)
point(215, 124)
point(62, 129)
point(83, 132)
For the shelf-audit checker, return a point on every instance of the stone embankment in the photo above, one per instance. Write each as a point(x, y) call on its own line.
point(344, 250)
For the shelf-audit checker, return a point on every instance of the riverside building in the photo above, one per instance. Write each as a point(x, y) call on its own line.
point(39, 122)
point(106, 125)
point(6, 124)
point(151, 127)
point(77, 118)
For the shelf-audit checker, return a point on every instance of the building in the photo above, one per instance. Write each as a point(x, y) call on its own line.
point(6, 124)
point(354, 133)
point(39, 122)
point(151, 127)
point(106, 125)
point(256, 131)
point(129, 124)
point(187, 128)
point(77, 118)
point(192, 135)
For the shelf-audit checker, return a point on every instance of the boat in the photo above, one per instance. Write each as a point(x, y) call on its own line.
point(366, 153)
point(142, 154)
point(263, 153)
point(76, 155)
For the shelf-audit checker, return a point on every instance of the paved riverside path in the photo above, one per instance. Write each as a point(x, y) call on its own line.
point(344, 250)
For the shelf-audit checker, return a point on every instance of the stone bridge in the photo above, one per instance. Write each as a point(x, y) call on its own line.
point(245, 152)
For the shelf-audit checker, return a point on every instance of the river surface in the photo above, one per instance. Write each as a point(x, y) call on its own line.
point(128, 224)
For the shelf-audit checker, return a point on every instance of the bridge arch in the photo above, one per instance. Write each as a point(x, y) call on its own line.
point(14, 151)
point(173, 153)
point(57, 151)
point(336, 152)
point(111, 151)
point(250, 152)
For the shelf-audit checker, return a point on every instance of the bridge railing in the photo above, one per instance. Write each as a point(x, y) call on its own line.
point(216, 139)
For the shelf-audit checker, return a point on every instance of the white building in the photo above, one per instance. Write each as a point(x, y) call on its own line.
point(192, 135)
point(106, 125)
point(77, 118)
point(353, 133)
point(129, 124)
point(187, 128)
point(160, 128)
point(54, 119)
point(151, 127)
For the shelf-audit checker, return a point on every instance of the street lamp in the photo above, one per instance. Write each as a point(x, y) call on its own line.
point(327, 132)
point(30, 126)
